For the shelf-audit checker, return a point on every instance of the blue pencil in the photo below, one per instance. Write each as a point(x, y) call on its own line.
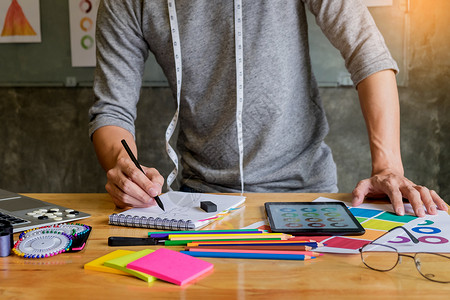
point(248, 255)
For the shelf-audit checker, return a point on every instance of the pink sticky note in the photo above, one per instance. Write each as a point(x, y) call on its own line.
point(171, 266)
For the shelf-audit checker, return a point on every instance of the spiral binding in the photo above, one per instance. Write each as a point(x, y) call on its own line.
point(150, 222)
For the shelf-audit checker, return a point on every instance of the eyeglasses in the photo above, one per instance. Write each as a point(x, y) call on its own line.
point(383, 258)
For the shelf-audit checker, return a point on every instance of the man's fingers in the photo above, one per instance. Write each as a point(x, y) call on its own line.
point(413, 196)
point(124, 189)
point(122, 199)
point(136, 176)
point(360, 192)
point(397, 188)
point(157, 181)
point(394, 194)
point(389, 186)
point(438, 201)
point(427, 200)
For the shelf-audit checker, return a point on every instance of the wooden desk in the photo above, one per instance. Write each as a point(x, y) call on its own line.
point(330, 276)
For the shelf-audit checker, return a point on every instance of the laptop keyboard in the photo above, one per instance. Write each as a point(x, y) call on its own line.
point(12, 219)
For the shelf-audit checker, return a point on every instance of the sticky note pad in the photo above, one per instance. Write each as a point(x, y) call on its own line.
point(120, 263)
point(97, 264)
point(171, 266)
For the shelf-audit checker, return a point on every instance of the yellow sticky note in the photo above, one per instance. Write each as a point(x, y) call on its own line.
point(97, 264)
point(120, 263)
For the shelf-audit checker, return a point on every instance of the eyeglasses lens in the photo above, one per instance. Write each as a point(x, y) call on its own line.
point(433, 266)
point(379, 257)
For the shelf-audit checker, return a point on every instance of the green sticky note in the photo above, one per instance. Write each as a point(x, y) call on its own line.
point(120, 263)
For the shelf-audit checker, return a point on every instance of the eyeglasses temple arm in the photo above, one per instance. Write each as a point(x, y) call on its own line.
point(413, 238)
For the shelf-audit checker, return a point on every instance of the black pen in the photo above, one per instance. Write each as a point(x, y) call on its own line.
point(133, 158)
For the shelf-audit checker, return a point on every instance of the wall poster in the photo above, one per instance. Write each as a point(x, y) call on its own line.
point(20, 21)
point(83, 15)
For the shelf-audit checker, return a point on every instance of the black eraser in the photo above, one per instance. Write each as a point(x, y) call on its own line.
point(208, 206)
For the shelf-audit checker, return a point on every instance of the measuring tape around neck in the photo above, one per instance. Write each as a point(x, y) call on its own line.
point(179, 70)
point(239, 86)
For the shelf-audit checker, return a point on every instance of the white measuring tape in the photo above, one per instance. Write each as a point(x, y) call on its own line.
point(239, 86)
point(179, 70)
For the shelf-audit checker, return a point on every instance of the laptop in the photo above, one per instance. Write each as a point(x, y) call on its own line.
point(26, 213)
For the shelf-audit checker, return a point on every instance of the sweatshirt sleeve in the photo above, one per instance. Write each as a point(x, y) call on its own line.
point(350, 28)
point(121, 54)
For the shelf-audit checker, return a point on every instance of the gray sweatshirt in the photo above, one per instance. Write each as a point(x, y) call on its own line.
point(284, 123)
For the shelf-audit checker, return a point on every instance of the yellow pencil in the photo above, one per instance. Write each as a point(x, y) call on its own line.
point(198, 237)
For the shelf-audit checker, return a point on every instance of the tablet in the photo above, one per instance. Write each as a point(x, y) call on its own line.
point(312, 218)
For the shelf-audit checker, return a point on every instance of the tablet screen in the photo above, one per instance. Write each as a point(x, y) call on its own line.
point(312, 218)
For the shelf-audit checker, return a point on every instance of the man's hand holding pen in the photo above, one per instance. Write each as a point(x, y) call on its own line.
point(131, 184)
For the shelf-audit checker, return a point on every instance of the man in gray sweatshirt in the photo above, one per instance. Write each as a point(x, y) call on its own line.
point(274, 142)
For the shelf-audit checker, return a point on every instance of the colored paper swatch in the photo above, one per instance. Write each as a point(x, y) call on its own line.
point(377, 219)
point(97, 264)
point(347, 243)
point(120, 263)
point(171, 266)
point(380, 224)
point(370, 234)
point(360, 219)
point(388, 216)
point(364, 212)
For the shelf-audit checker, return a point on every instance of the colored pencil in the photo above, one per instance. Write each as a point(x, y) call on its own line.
point(206, 231)
point(248, 255)
point(165, 235)
point(174, 237)
point(256, 242)
point(307, 253)
point(257, 247)
point(185, 242)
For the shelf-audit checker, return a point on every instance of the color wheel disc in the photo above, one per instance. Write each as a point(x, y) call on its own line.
point(43, 245)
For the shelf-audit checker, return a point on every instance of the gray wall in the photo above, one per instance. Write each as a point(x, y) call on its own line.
point(45, 147)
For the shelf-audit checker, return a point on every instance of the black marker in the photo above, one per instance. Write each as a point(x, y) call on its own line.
point(125, 145)
point(133, 241)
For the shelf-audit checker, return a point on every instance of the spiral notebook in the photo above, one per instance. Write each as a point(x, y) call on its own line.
point(182, 212)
